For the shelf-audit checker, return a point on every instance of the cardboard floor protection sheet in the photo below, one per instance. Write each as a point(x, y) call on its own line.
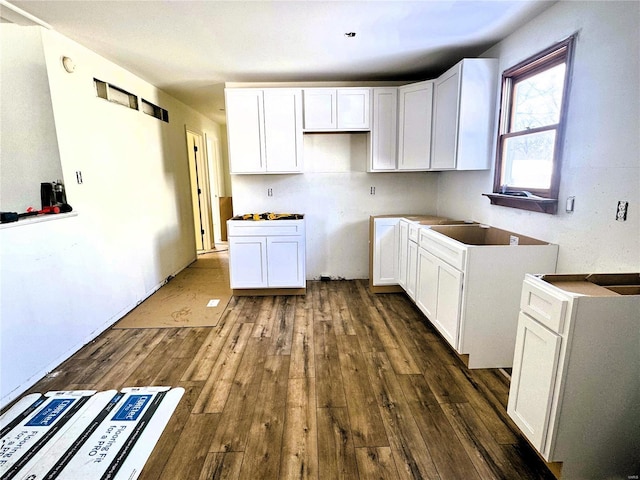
point(84, 434)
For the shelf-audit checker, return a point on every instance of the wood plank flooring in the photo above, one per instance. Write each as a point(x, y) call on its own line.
point(337, 384)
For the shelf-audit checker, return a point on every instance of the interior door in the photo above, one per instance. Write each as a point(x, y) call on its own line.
point(200, 196)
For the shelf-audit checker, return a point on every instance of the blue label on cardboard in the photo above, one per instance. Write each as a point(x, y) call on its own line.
point(51, 412)
point(132, 408)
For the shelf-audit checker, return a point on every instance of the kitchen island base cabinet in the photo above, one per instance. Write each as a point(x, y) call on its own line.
point(575, 386)
point(267, 254)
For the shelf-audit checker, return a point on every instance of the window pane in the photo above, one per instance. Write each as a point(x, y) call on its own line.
point(537, 99)
point(528, 160)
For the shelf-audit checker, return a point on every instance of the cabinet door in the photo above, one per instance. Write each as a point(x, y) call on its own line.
point(320, 109)
point(385, 251)
point(412, 269)
point(285, 261)
point(403, 250)
point(414, 126)
point(535, 365)
point(449, 301)
point(354, 109)
point(283, 130)
point(248, 262)
point(384, 131)
point(427, 284)
point(245, 130)
point(445, 120)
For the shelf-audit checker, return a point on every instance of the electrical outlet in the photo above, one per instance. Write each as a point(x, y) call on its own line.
point(621, 213)
point(269, 192)
point(372, 191)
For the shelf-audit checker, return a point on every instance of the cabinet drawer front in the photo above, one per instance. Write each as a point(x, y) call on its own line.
point(544, 306)
point(443, 248)
point(248, 228)
point(414, 229)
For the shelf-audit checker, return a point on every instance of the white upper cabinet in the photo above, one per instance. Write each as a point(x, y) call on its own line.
point(463, 107)
point(283, 130)
point(245, 130)
point(320, 109)
point(384, 129)
point(345, 109)
point(354, 108)
point(414, 126)
point(264, 129)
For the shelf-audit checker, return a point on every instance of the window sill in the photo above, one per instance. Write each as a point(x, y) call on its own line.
point(544, 205)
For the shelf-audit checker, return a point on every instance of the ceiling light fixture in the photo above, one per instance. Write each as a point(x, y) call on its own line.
point(350, 34)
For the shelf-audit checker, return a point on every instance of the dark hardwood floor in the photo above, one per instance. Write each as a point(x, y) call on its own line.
point(337, 384)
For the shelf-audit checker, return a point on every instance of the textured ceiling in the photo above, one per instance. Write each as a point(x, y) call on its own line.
point(191, 48)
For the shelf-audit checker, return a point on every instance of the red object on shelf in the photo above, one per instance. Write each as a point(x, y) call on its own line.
point(50, 209)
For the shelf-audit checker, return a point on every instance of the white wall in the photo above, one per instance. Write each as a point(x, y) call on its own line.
point(333, 193)
point(64, 281)
point(26, 112)
point(601, 154)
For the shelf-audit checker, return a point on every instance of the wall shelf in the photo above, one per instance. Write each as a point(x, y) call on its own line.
point(38, 219)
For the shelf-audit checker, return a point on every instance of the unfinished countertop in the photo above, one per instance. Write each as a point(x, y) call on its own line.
point(425, 219)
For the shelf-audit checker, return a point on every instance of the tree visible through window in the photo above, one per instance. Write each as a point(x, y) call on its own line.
point(531, 125)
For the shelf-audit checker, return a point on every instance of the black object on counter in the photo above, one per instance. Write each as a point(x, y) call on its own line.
point(8, 217)
point(47, 194)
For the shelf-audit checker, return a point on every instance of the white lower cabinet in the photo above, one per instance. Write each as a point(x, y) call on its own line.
point(412, 269)
point(266, 254)
point(384, 250)
point(536, 364)
point(575, 384)
point(248, 262)
point(403, 252)
point(439, 294)
point(285, 260)
point(427, 283)
point(468, 286)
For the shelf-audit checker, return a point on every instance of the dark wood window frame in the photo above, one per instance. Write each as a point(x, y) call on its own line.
point(542, 200)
